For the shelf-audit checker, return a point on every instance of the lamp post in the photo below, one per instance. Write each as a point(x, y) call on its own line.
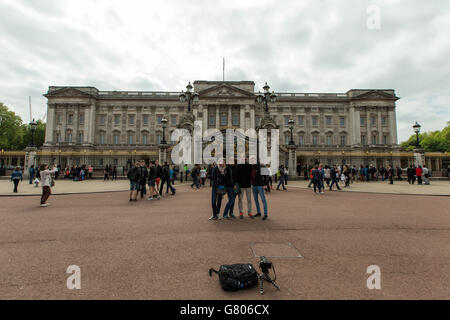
point(416, 128)
point(164, 126)
point(190, 96)
point(265, 97)
point(291, 127)
point(33, 125)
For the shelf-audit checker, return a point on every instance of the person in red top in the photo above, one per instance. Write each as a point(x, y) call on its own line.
point(419, 174)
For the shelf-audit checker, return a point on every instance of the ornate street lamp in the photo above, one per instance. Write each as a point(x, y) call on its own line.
point(164, 126)
point(33, 126)
point(291, 127)
point(416, 128)
point(190, 96)
point(265, 97)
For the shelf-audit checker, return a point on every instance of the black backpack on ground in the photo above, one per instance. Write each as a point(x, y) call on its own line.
point(236, 276)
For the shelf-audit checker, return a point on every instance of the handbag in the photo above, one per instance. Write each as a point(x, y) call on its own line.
point(237, 189)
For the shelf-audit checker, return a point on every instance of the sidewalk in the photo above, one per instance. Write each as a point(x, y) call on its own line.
point(69, 187)
point(437, 188)
point(94, 186)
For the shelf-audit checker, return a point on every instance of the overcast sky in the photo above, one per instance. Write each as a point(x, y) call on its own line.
point(296, 46)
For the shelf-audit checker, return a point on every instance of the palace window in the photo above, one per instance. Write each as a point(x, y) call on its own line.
point(58, 119)
point(223, 120)
point(102, 120)
point(116, 119)
point(145, 120)
point(130, 139)
point(235, 120)
point(286, 120)
point(80, 138)
point(173, 120)
point(102, 139)
point(328, 121)
point(363, 140)
point(301, 140)
point(383, 121)
point(69, 138)
point(329, 140)
point(373, 121)
point(362, 121)
point(300, 120)
point(158, 119)
point(315, 140)
point(158, 138)
point(131, 120)
point(343, 141)
point(70, 120)
point(314, 121)
point(212, 120)
point(58, 138)
point(385, 139)
point(144, 139)
point(342, 121)
point(116, 138)
point(81, 118)
point(374, 139)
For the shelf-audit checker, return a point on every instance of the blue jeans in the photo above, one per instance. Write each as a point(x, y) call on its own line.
point(216, 201)
point(281, 183)
point(230, 204)
point(31, 178)
point(259, 190)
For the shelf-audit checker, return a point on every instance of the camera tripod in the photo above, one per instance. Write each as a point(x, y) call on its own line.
point(266, 277)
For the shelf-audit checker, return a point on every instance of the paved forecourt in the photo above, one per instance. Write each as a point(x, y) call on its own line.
point(164, 249)
point(437, 187)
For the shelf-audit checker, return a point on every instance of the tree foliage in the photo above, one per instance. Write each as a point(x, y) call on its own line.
point(16, 135)
point(437, 141)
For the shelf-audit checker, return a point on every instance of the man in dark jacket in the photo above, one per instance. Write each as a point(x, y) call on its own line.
point(134, 177)
point(143, 175)
point(166, 179)
point(245, 183)
point(194, 174)
point(334, 179)
point(218, 188)
point(258, 190)
point(152, 182)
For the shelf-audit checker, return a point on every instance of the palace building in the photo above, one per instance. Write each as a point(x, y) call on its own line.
point(89, 126)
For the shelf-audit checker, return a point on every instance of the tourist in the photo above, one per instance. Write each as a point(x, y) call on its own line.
point(258, 189)
point(334, 178)
point(106, 173)
point(327, 175)
point(230, 178)
point(282, 177)
point(172, 175)
point(419, 174)
point(382, 171)
point(426, 175)
point(90, 171)
point(143, 175)
point(195, 174)
point(82, 174)
point(114, 173)
point(158, 174)
point(391, 174)
point(16, 177)
point(218, 188)
point(166, 180)
point(286, 175)
point(317, 177)
point(245, 183)
point(134, 177)
point(46, 183)
point(152, 182)
point(31, 173)
point(203, 176)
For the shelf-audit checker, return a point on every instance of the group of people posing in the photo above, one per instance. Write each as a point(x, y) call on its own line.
point(154, 176)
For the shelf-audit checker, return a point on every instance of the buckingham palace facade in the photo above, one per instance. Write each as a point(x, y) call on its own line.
point(89, 126)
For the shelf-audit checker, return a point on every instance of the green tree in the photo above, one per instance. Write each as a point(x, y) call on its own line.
point(39, 134)
point(437, 141)
point(11, 129)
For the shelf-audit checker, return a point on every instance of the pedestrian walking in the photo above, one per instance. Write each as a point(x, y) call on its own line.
point(16, 177)
point(426, 175)
point(134, 177)
point(31, 173)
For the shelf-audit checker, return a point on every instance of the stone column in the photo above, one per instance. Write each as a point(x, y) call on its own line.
point(217, 116)
point(292, 162)
point(162, 153)
point(419, 157)
point(64, 125)
point(230, 122)
point(50, 127)
point(242, 124)
point(205, 118)
point(392, 126)
point(252, 117)
point(30, 159)
point(379, 127)
point(87, 127)
point(92, 123)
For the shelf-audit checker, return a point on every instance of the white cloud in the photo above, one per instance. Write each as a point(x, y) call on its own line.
point(309, 46)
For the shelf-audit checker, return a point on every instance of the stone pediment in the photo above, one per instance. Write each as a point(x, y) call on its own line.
point(225, 90)
point(68, 92)
point(375, 95)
